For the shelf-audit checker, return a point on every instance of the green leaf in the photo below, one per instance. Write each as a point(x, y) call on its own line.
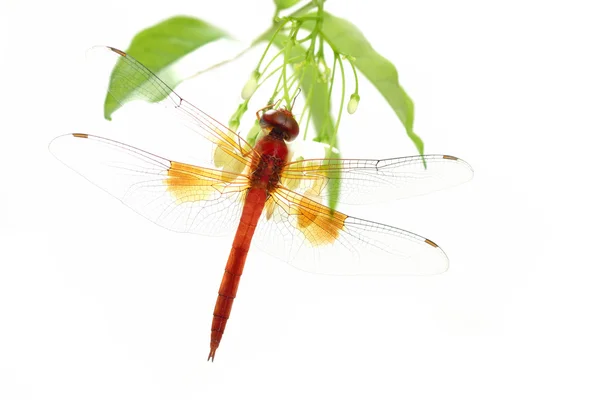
point(283, 4)
point(346, 39)
point(157, 48)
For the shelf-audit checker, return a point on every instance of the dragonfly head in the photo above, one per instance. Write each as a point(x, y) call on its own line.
point(280, 122)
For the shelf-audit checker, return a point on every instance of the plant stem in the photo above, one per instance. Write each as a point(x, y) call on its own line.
point(337, 122)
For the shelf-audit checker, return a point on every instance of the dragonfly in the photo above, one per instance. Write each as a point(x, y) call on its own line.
point(260, 192)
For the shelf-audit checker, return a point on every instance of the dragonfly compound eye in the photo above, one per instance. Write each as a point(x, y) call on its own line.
point(283, 122)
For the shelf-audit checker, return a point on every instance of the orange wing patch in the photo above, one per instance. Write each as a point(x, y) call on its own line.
point(188, 183)
point(226, 155)
point(319, 224)
point(270, 207)
point(312, 177)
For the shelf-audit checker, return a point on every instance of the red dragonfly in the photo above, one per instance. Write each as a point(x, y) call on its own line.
point(275, 201)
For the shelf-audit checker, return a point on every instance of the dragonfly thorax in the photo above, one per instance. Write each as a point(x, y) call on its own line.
point(271, 156)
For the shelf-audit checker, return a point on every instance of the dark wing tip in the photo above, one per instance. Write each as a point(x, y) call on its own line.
point(119, 52)
point(459, 161)
point(446, 157)
point(429, 242)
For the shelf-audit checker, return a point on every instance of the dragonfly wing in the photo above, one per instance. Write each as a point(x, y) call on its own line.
point(177, 196)
point(314, 238)
point(130, 80)
point(368, 181)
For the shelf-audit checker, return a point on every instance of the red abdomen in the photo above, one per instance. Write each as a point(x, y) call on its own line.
point(253, 206)
point(264, 179)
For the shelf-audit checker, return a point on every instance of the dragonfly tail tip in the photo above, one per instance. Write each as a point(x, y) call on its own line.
point(211, 355)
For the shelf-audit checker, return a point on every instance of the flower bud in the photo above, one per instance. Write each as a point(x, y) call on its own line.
point(250, 86)
point(353, 103)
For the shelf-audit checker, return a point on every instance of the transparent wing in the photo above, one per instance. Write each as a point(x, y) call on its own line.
point(177, 196)
point(368, 181)
point(130, 80)
point(314, 238)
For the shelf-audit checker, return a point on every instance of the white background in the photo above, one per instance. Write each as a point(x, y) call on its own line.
point(97, 302)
